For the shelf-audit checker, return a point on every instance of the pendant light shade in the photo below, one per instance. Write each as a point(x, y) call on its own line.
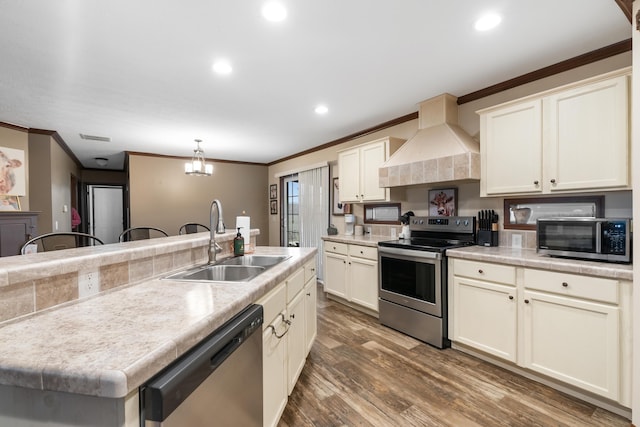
point(198, 166)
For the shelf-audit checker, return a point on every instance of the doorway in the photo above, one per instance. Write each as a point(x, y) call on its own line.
point(291, 211)
point(105, 211)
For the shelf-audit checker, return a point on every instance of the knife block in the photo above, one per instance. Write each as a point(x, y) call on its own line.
point(488, 238)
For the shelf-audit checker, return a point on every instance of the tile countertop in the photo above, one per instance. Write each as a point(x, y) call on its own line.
point(366, 240)
point(529, 258)
point(110, 344)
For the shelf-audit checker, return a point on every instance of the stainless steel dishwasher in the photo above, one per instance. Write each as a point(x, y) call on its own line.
point(217, 383)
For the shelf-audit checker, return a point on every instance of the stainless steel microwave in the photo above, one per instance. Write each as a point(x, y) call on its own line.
point(601, 239)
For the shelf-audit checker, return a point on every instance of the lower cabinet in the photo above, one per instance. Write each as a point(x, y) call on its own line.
point(568, 327)
point(351, 273)
point(289, 330)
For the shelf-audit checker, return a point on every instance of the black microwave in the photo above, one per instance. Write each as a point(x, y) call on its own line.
point(601, 239)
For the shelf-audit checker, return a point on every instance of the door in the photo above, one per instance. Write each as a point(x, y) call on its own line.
point(512, 141)
point(335, 278)
point(371, 157)
point(106, 212)
point(573, 340)
point(291, 211)
point(349, 165)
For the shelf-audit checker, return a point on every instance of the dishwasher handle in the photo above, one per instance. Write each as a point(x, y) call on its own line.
point(226, 351)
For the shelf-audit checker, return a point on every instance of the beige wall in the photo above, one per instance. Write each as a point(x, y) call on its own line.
point(50, 185)
point(162, 196)
point(469, 202)
point(18, 140)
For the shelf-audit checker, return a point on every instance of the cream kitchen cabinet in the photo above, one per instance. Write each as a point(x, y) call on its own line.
point(484, 307)
point(572, 330)
point(573, 138)
point(358, 166)
point(351, 273)
point(288, 333)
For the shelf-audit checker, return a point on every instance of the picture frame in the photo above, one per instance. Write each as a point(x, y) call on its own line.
point(273, 205)
point(9, 203)
point(273, 191)
point(15, 166)
point(338, 208)
point(443, 202)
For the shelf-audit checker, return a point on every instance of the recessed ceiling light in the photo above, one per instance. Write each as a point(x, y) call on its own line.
point(222, 66)
point(487, 22)
point(274, 11)
point(321, 109)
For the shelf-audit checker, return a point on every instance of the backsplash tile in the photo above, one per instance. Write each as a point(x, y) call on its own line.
point(114, 275)
point(16, 300)
point(56, 290)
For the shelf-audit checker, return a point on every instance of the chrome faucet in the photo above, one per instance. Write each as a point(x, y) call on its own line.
point(216, 226)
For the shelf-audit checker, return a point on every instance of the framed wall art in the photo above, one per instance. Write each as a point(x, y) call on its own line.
point(9, 203)
point(273, 191)
point(13, 169)
point(273, 205)
point(443, 202)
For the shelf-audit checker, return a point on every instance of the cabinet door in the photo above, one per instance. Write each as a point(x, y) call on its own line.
point(310, 314)
point(573, 340)
point(296, 346)
point(335, 277)
point(511, 149)
point(274, 374)
point(588, 141)
point(349, 170)
point(371, 157)
point(484, 316)
point(363, 282)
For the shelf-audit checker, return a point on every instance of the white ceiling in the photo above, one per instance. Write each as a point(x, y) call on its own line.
point(140, 72)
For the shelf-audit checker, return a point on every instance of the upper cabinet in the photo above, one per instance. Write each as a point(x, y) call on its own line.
point(358, 166)
point(575, 138)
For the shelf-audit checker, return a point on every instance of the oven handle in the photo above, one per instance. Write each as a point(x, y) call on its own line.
point(408, 252)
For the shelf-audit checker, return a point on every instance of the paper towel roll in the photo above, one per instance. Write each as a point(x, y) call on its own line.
point(244, 223)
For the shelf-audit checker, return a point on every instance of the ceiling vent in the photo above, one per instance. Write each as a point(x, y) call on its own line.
point(95, 138)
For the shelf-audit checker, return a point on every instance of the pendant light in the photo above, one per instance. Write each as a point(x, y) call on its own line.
point(198, 166)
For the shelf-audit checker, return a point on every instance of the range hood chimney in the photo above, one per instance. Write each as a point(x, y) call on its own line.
point(439, 152)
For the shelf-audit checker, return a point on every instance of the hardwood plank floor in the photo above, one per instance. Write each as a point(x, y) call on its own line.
point(360, 373)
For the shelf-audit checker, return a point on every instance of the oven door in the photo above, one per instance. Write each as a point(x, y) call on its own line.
point(411, 278)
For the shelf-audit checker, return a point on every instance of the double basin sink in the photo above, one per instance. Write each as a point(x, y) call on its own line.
point(238, 269)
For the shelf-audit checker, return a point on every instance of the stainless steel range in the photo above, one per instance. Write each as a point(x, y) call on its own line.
point(413, 276)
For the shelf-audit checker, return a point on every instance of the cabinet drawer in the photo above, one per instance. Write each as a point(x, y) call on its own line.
point(367, 252)
point(339, 248)
point(295, 283)
point(309, 270)
point(594, 288)
point(485, 271)
point(273, 303)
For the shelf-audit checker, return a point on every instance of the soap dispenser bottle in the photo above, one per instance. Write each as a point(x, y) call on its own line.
point(238, 244)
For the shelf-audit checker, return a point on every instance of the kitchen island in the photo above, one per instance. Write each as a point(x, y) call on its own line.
point(81, 362)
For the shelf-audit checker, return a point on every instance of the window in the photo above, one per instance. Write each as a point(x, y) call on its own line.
point(291, 211)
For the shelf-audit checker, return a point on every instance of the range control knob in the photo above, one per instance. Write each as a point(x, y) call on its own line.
point(466, 222)
point(458, 222)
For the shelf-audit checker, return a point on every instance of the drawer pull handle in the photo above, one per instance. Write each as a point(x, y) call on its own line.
point(480, 271)
point(565, 284)
point(526, 301)
point(510, 296)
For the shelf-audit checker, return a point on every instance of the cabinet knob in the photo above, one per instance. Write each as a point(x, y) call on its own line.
point(536, 182)
point(293, 316)
point(526, 301)
point(553, 181)
point(362, 252)
point(565, 284)
point(480, 271)
point(308, 294)
point(344, 262)
point(510, 296)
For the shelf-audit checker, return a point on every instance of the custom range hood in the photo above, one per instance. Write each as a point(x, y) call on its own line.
point(439, 152)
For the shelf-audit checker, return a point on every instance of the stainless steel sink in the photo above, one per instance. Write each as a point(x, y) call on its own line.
point(256, 260)
point(238, 269)
point(219, 273)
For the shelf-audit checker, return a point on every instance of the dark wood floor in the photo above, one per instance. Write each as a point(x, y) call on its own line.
point(360, 373)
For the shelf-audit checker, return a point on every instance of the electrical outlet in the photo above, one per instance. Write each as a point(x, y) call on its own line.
point(516, 240)
point(88, 283)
